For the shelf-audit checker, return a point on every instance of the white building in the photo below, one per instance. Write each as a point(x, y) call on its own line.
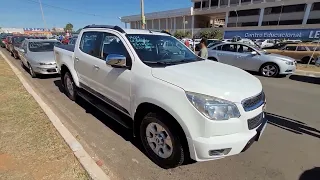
point(236, 15)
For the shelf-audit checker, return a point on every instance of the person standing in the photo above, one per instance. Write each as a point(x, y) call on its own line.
point(186, 42)
point(204, 51)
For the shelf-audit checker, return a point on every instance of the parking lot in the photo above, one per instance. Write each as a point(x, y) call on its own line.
point(290, 144)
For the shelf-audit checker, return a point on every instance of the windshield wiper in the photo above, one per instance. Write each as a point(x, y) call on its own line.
point(159, 63)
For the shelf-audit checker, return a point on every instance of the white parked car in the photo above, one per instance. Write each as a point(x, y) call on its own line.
point(180, 105)
point(264, 43)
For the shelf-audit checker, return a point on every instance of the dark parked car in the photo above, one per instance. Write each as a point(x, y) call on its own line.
point(16, 43)
point(280, 45)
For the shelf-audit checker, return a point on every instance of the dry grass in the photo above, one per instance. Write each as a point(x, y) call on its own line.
point(30, 147)
point(304, 67)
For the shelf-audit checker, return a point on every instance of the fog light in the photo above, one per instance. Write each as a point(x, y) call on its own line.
point(219, 152)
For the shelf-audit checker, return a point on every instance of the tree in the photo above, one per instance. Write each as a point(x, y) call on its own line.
point(211, 34)
point(181, 34)
point(68, 27)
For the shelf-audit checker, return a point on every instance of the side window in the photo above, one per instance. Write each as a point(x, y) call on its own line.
point(301, 48)
point(290, 48)
point(244, 49)
point(229, 47)
point(113, 45)
point(90, 43)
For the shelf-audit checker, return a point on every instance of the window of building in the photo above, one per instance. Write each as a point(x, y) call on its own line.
point(316, 6)
point(249, 24)
point(214, 3)
point(245, 1)
point(285, 9)
point(313, 21)
point(286, 22)
point(197, 5)
point(205, 4)
point(90, 43)
point(250, 12)
point(290, 48)
point(301, 48)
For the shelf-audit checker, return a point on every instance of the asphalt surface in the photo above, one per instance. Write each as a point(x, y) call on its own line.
point(288, 148)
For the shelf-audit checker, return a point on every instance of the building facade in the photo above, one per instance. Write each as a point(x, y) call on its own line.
point(235, 15)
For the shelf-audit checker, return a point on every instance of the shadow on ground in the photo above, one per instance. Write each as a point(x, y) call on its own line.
point(307, 79)
point(292, 125)
point(125, 133)
point(311, 174)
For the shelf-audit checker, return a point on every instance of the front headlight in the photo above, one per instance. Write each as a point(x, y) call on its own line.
point(212, 107)
point(289, 63)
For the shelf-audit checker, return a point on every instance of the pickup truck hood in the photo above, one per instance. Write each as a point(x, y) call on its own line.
point(211, 78)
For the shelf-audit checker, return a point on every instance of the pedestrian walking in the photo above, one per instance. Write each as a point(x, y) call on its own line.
point(204, 51)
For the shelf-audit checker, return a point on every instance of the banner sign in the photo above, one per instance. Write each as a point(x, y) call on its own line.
point(301, 34)
point(35, 29)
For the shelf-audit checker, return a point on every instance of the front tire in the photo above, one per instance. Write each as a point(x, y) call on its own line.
point(69, 86)
point(269, 70)
point(32, 73)
point(161, 143)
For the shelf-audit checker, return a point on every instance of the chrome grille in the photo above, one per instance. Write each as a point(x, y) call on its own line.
point(255, 122)
point(252, 103)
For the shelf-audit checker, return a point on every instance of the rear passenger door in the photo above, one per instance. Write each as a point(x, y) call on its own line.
point(86, 58)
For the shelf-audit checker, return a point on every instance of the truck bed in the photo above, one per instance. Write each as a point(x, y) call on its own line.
point(66, 47)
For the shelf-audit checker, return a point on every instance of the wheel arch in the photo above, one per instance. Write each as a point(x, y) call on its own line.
point(63, 69)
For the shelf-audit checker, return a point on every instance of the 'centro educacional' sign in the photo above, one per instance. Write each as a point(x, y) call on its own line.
point(303, 34)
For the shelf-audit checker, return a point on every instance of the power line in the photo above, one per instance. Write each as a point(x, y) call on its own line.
point(65, 9)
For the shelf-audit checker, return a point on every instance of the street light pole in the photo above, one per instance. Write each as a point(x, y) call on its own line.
point(44, 21)
point(142, 14)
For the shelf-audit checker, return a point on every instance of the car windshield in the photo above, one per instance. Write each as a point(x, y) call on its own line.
point(42, 46)
point(18, 40)
point(160, 48)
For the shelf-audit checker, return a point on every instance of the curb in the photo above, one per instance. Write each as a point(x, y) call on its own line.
point(307, 73)
point(95, 172)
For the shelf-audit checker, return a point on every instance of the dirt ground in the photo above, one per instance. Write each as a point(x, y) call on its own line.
point(310, 67)
point(30, 147)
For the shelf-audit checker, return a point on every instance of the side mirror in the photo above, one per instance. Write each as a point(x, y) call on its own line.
point(254, 53)
point(22, 50)
point(116, 60)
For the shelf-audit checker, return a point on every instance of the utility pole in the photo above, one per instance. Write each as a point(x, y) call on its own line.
point(143, 19)
point(44, 21)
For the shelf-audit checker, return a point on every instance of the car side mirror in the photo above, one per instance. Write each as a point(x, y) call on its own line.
point(254, 53)
point(116, 60)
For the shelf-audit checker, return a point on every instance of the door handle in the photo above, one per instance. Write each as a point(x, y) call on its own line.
point(76, 58)
point(96, 67)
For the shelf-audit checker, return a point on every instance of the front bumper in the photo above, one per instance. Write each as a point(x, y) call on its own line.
point(288, 69)
point(217, 147)
point(45, 69)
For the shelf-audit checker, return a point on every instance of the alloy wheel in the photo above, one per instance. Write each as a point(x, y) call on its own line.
point(269, 70)
point(159, 140)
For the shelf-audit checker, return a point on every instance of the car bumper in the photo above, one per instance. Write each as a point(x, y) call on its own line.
point(45, 69)
point(222, 146)
point(288, 69)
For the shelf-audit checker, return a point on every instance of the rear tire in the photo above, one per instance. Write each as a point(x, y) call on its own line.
point(70, 88)
point(305, 60)
point(162, 144)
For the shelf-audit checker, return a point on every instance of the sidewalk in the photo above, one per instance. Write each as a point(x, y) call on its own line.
point(311, 70)
point(30, 147)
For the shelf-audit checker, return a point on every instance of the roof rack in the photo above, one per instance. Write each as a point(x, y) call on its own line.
point(117, 28)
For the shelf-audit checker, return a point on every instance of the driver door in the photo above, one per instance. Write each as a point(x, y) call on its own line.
point(245, 59)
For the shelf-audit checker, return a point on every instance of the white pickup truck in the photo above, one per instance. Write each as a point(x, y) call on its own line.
point(179, 104)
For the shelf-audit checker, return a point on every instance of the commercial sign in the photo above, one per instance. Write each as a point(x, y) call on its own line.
point(303, 34)
point(36, 29)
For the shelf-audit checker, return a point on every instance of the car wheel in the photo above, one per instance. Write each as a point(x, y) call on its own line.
point(213, 58)
point(11, 53)
point(32, 73)
point(161, 143)
point(69, 86)
point(269, 70)
point(306, 60)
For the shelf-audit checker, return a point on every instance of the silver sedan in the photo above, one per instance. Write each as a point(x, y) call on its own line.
point(37, 55)
point(252, 59)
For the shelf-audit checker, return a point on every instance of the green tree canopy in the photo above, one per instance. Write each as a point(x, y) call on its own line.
point(69, 27)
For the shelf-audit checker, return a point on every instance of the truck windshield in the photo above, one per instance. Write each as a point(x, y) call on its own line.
point(159, 48)
point(42, 46)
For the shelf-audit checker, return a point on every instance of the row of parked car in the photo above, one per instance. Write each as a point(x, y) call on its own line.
point(35, 53)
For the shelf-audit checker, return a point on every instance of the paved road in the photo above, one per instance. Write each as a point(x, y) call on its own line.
point(289, 147)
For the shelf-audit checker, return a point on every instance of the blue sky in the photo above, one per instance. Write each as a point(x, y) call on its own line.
point(26, 13)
